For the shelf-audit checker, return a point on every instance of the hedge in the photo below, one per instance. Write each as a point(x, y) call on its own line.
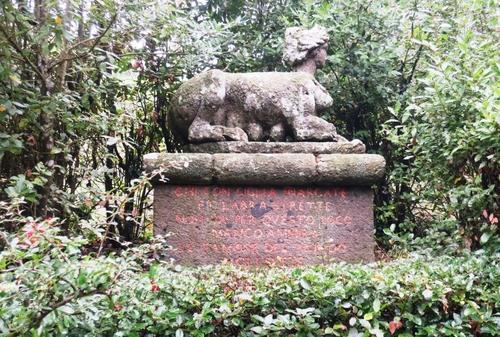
point(56, 286)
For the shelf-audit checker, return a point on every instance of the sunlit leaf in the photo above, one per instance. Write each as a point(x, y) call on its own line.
point(15, 79)
point(427, 293)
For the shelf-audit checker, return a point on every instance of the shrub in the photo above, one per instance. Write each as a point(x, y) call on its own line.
point(52, 285)
point(449, 126)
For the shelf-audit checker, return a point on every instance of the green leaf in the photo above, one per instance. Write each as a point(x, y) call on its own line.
point(427, 293)
point(152, 271)
point(365, 324)
point(257, 329)
point(243, 297)
point(376, 305)
point(15, 79)
point(305, 284)
point(485, 237)
point(82, 278)
point(66, 309)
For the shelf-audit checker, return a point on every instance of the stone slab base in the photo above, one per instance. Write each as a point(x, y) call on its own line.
point(255, 210)
point(356, 146)
point(257, 226)
point(268, 169)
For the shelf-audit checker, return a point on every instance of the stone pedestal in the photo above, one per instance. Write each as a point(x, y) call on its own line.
point(265, 209)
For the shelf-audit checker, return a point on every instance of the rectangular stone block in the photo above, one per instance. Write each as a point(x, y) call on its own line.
point(261, 169)
point(259, 226)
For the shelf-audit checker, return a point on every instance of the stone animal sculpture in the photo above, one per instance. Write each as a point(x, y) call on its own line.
point(218, 106)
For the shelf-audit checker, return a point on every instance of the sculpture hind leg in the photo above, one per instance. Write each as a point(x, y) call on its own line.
point(201, 131)
point(211, 114)
point(313, 128)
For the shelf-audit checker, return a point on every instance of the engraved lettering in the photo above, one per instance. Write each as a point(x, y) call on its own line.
point(246, 232)
point(226, 248)
point(178, 191)
point(269, 247)
point(257, 233)
point(259, 226)
point(189, 219)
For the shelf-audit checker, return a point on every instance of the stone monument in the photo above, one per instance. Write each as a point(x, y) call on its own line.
point(267, 181)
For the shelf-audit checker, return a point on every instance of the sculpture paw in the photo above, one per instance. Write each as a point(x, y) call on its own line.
point(234, 134)
point(312, 128)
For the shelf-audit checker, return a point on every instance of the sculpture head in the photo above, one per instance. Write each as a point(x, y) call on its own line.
point(302, 45)
point(319, 55)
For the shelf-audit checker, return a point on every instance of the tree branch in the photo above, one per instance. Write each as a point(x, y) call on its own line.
point(108, 27)
point(20, 51)
point(92, 47)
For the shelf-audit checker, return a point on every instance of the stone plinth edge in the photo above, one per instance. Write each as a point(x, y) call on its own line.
point(296, 169)
point(179, 168)
point(356, 146)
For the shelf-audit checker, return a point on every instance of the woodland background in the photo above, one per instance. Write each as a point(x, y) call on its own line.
point(84, 93)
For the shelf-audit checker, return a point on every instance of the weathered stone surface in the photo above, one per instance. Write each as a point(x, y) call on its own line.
point(243, 195)
point(356, 146)
point(269, 169)
point(264, 226)
point(218, 106)
point(350, 169)
point(198, 170)
point(262, 169)
point(300, 42)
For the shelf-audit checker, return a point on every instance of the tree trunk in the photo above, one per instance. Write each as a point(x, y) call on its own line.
point(46, 137)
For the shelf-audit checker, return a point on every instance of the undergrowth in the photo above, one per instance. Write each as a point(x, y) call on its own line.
point(49, 288)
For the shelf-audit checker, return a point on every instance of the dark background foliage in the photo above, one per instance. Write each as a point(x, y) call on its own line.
point(85, 91)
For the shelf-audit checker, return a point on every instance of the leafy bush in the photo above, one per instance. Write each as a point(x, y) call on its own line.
point(52, 286)
point(449, 126)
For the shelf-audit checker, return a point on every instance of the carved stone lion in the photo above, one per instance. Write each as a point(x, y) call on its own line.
point(218, 106)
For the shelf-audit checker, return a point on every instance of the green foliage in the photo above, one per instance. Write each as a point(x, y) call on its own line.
point(363, 70)
point(85, 90)
point(49, 288)
point(84, 94)
point(75, 124)
point(449, 126)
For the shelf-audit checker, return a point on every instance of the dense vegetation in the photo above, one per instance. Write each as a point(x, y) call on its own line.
point(84, 94)
point(51, 289)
